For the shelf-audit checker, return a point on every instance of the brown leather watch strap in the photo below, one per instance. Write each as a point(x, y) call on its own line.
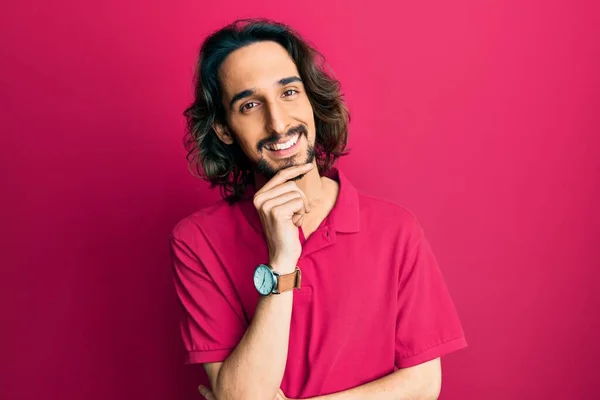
point(289, 281)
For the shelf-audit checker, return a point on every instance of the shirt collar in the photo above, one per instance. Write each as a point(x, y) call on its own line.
point(343, 217)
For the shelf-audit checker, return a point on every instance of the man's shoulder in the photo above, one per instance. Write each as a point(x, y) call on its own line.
point(219, 213)
point(381, 212)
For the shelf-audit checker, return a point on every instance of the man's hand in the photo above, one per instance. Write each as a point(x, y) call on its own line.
point(281, 206)
point(249, 371)
point(206, 393)
point(209, 395)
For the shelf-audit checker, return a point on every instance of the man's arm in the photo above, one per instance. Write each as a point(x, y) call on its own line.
point(255, 368)
point(212, 370)
point(421, 382)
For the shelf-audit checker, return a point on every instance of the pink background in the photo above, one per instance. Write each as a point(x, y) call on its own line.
point(481, 117)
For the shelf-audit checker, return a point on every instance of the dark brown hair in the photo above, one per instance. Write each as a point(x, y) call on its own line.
point(227, 166)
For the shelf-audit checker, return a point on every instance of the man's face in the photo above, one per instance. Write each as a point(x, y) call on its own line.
point(268, 111)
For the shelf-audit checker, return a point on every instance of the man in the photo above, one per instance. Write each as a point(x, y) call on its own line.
point(296, 284)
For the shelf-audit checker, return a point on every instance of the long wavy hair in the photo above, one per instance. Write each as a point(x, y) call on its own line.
point(227, 166)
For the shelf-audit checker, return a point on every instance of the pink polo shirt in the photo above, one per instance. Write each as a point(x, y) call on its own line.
point(372, 298)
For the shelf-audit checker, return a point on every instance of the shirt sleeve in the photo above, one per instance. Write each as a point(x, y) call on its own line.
point(427, 324)
point(213, 321)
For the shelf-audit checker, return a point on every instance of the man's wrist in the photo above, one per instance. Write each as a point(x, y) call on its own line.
point(282, 267)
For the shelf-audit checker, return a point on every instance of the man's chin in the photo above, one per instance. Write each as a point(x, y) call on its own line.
point(269, 169)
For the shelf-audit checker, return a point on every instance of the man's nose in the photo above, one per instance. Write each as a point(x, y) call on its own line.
point(276, 119)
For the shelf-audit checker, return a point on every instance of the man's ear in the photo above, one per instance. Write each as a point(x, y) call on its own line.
point(223, 133)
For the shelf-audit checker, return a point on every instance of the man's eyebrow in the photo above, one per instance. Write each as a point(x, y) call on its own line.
point(241, 95)
point(289, 79)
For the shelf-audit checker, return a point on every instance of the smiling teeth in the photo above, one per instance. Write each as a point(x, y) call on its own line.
point(285, 145)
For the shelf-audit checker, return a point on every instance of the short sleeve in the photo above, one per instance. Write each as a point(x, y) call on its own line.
point(212, 321)
point(427, 324)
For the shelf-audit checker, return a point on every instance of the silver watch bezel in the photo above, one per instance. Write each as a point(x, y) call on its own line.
point(274, 279)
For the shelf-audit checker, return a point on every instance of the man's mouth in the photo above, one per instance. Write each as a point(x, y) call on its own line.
point(284, 145)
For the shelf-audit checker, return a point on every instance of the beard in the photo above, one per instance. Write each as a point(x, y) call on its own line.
point(269, 171)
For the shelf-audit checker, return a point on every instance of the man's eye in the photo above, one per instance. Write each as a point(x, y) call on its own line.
point(290, 92)
point(248, 106)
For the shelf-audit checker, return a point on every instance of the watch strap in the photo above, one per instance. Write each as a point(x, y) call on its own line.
point(289, 281)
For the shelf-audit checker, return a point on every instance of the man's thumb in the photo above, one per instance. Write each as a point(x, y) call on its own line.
point(204, 391)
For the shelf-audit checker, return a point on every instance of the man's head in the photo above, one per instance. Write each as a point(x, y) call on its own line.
point(262, 103)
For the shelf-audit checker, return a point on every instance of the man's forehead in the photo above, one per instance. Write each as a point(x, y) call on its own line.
point(256, 66)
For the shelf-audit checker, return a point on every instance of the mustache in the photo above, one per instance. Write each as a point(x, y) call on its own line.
point(301, 129)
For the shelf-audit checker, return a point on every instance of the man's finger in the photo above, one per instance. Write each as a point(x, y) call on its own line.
point(285, 175)
point(289, 186)
point(206, 393)
point(280, 395)
point(270, 205)
point(291, 208)
point(297, 219)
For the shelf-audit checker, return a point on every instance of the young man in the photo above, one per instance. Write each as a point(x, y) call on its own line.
point(296, 282)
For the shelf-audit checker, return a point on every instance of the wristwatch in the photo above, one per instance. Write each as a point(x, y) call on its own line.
point(267, 281)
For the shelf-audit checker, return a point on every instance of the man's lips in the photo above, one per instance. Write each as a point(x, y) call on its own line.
point(296, 131)
point(288, 152)
point(284, 144)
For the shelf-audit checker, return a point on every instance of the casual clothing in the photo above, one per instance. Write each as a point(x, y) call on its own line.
point(372, 299)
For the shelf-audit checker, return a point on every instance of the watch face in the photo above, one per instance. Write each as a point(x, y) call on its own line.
point(264, 280)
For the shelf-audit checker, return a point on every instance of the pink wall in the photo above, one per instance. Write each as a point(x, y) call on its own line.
point(480, 117)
